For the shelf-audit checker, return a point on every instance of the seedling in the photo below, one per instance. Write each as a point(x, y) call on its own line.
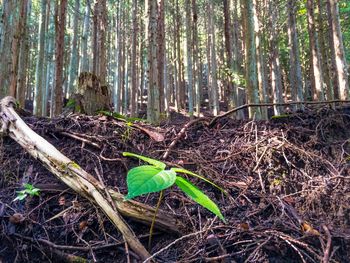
point(28, 190)
point(154, 178)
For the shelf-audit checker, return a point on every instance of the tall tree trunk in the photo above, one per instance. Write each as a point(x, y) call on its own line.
point(17, 39)
point(46, 62)
point(73, 65)
point(181, 88)
point(276, 77)
point(260, 62)
point(341, 65)
point(153, 108)
point(214, 83)
point(315, 58)
point(296, 81)
point(189, 68)
point(324, 51)
point(231, 87)
point(60, 23)
point(102, 42)
point(250, 58)
point(23, 58)
point(333, 62)
point(39, 85)
point(118, 41)
point(84, 40)
point(133, 94)
point(161, 55)
point(197, 72)
point(7, 33)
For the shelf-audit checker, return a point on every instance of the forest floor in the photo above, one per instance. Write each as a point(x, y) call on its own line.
point(288, 184)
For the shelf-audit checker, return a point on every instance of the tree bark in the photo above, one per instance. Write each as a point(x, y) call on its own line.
point(73, 64)
point(39, 72)
point(296, 81)
point(60, 21)
point(340, 60)
point(276, 77)
point(250, 57)
point(23, 59)
point(16, 42)
point(315, 58)
point(153, 107)
point(213, 66)
point(262, 85)
point(134, 75)
point(189, 68)
point(84, 40)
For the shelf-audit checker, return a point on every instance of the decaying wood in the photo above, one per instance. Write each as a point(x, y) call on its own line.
point(80, 181)
point(91, 95)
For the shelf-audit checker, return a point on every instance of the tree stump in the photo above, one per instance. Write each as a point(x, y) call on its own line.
point(91, 95)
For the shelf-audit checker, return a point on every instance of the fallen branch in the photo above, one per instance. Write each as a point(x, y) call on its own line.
point(215, 119)
point(79, 180)
point(180, 135)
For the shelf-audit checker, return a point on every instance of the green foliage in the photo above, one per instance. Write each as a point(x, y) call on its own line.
point(197, 195)
point(28, 190)
point(153, 178)
point(155, 163)
point(146, 179)
point(120, 117)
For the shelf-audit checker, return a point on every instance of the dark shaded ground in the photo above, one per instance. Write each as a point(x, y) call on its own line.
point(288, 182)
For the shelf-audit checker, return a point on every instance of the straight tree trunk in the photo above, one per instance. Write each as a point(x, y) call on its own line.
point(23, 58)
point(197, 72)
point(84, 40)
point(189, 68)
point(262, 85)
point(39, 72)
point(17, 39)
point(133, 93)
point(296, 81)
point(46, 62)
point(73, 65)
point(315, 58)
point(341, 65)
point(60, 23)
point(276, 77)
point(118, 41)
point(214, 82)
point(102, 42)
point(7, 33)
point(232, 93)
point(153, 109)
point(324, 51)
point(161, 55)
point(250, 57)
point(333, 62)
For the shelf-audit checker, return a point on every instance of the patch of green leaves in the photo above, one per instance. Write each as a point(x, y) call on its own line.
point(120, 117)
point(28, 190)
point(153, 178)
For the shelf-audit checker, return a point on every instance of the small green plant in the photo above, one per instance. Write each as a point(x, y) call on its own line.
point(120, 117)
point(28, 190)
point(153, 178)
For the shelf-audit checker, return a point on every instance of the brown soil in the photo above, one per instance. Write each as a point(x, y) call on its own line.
point(288, 184)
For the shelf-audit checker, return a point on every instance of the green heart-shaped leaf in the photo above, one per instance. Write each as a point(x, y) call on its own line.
point(197, 195)
point(148, 179)
point(154, 162)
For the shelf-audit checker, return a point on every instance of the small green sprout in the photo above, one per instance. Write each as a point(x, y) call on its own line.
point(153, 178)
point(28, 190)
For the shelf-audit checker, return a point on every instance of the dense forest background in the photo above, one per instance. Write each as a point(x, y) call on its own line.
point(184, 55)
